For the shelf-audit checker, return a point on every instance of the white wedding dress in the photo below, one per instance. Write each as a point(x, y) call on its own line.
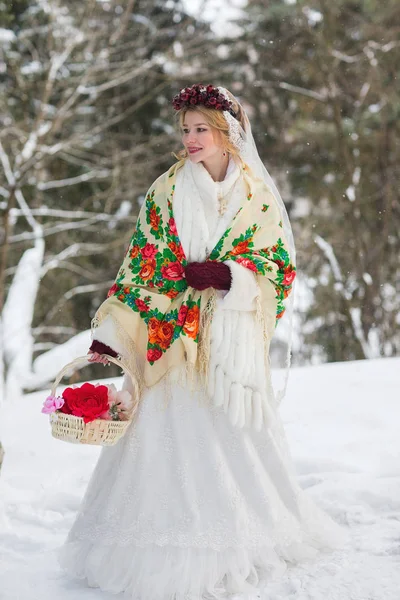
point(189, 505)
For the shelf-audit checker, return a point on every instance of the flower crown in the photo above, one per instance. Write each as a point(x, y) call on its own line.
point(208, 96)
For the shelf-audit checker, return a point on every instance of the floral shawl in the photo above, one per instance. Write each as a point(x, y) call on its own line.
point(156, 313)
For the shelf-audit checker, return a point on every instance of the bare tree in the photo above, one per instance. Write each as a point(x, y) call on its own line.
point(85, 129)
point(321, 81)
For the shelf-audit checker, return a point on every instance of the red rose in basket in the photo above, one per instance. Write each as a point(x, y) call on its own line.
point(91, 402)
point(87, 401)
point(91, 414)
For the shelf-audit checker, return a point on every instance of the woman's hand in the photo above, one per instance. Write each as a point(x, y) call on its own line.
point(95, 357)
point(97, 351)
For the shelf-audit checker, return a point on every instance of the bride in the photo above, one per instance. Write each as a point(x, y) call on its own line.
point(199, 498)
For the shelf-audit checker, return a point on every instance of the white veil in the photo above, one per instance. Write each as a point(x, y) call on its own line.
point(244, 141)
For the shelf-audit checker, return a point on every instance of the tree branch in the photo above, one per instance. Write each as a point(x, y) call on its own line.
point(80, 289)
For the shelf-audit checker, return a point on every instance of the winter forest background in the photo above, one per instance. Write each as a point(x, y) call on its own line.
point(87, 125)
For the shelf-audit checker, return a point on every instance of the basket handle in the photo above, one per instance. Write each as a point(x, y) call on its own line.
point(81, 360)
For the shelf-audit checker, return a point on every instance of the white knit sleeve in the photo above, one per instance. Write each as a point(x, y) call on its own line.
point(243, 291)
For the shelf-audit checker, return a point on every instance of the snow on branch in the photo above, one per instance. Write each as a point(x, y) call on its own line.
point(53, 330)
point(94, 90)
point(47, 365)
point(18, 313)
point(77, 249)
point(73, 268)
point(79, 289)
point(330, 255)
point(345, 57)
point(37, 229)
point(81, 249)
point(49, 185)
point(11, 180)
point(384, 47)
point(303, 91)
point(354, 313)
point(85, 289)
point(6, 166)
point(57, 60)
point(20, 237)
point(45, 211)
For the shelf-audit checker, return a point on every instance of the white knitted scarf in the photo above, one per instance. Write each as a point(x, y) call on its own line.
point(238, 376)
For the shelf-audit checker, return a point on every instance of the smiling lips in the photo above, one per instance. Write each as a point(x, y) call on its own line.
point(194, 150)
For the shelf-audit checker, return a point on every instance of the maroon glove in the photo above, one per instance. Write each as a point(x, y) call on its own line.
point(201, 276)
point(102, 348)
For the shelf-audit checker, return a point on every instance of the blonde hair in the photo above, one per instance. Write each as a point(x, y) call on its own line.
point(216, 121)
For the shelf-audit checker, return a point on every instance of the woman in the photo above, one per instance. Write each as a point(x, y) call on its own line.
point(198, 499)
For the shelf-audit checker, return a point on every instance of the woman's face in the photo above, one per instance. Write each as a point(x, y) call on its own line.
point(199, 138)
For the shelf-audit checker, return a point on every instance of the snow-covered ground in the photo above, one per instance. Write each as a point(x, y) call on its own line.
point(342, 421)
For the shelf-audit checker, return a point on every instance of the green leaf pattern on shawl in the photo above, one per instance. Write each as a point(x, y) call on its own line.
point(155, 261)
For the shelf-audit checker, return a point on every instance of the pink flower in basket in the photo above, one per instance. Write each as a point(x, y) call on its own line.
point(51, 404)
point(120, 404)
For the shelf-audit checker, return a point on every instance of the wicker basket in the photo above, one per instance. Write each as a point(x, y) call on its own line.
point(98, 432)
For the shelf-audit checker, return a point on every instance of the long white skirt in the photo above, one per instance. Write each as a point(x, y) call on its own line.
point(188, 506)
